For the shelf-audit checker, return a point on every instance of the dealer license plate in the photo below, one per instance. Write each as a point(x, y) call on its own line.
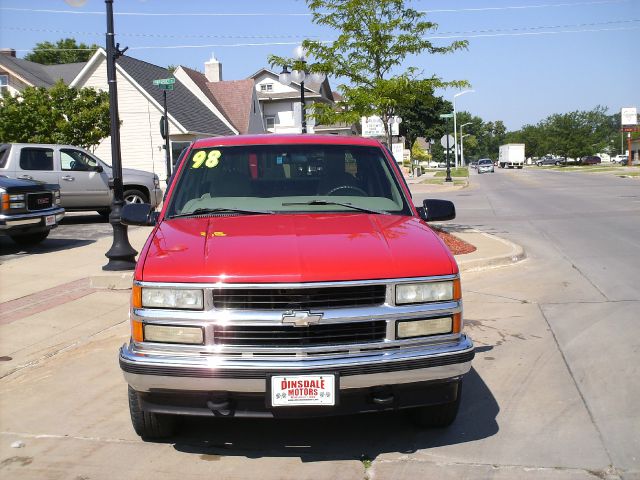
point(50, 220)
point(298, 390)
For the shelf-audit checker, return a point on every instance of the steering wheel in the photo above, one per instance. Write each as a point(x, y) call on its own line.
point(348, 187)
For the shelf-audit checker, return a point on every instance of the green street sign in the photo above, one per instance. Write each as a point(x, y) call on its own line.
point(164, 81)
point(446, 115)
point(165, 87)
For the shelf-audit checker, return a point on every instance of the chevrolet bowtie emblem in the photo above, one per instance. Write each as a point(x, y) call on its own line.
point(301, 318)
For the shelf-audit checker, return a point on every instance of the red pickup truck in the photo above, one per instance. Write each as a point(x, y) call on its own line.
point(292, 276)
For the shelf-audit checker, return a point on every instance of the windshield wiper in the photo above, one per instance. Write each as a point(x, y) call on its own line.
point(205, 210)
point(341, 204)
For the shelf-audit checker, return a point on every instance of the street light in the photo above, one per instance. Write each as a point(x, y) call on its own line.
point(462, 143)
point(121, 255)
point(390, 122)
point(455, 136)
point(298, 76)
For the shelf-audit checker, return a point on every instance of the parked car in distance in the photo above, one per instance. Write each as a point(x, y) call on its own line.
point(550, 161)
point(621, 159)
point(28, 209)
point(485, 165)
point(267, 290)
point(590, 160)
point(83, 178)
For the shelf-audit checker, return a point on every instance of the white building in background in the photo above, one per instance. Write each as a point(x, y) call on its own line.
point(281, 107)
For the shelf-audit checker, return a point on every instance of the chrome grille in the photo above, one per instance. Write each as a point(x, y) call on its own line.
point(297, 298)
point(290, 336)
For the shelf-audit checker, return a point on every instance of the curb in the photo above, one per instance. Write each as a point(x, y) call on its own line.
point(515, 254)
point(114, 281)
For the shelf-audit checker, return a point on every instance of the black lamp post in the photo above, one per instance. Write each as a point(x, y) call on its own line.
point(121, 255)
point(298, 76)
point(447, 116)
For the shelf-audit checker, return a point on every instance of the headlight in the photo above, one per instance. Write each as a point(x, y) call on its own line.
point(16, 198)
point(56, 197)
point(173, 334)
point(427, 292)
point(172, 298)
point(424, 328)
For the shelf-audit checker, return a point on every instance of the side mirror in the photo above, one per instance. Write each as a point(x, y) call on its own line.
point(437, 210)
point(98, 168)
point(138, 214)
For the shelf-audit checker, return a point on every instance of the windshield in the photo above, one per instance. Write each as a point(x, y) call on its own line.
point(287, 178)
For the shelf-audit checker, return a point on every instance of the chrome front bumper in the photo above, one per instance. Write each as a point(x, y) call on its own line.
point(146, 371)
point(29, 219)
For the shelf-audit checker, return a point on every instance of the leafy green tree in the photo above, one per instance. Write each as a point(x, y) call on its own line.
point(58, 115)
point(65, 50)
point(420, 154)
point(573, 134)
point(375, 37)
point(420, 113)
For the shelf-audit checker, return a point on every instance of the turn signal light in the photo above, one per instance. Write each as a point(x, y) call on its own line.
point(136, 296)
point(457, 321)
point(137, 331)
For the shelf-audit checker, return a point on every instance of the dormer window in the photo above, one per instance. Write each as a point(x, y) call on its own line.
point(266, 87)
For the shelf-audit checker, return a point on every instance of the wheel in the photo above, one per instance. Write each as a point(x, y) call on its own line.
point(520, 167)
point(135, 196)
point(29, 238)
point(149, 424)
point(347, 187)
point(437, 416)
point(558, 164)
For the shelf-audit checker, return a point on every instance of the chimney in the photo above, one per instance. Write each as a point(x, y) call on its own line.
point(8, 51)
point(213, 70)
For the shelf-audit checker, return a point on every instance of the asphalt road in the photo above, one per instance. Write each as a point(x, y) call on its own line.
point(76, 229)
point(552, 393)
point(581, 233)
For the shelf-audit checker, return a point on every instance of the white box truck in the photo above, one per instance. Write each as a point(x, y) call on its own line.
point(511, 155)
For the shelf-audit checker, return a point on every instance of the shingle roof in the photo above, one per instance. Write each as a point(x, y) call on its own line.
point(32, 72)
point(65, 72)
point(201, 82)
point(40, 75)
point(183, 105)
point(236, 99)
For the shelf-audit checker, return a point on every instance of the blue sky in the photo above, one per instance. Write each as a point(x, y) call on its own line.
point(527, 59)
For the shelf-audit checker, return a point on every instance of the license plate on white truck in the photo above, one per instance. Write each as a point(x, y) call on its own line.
point(303, 390)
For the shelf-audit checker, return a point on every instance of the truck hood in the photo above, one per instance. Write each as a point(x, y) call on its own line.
point(293, 248)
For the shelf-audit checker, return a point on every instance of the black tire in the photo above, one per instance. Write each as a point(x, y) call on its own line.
point(30, 238)
point(133, 195)
point(437, 416)
point(148, 424)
